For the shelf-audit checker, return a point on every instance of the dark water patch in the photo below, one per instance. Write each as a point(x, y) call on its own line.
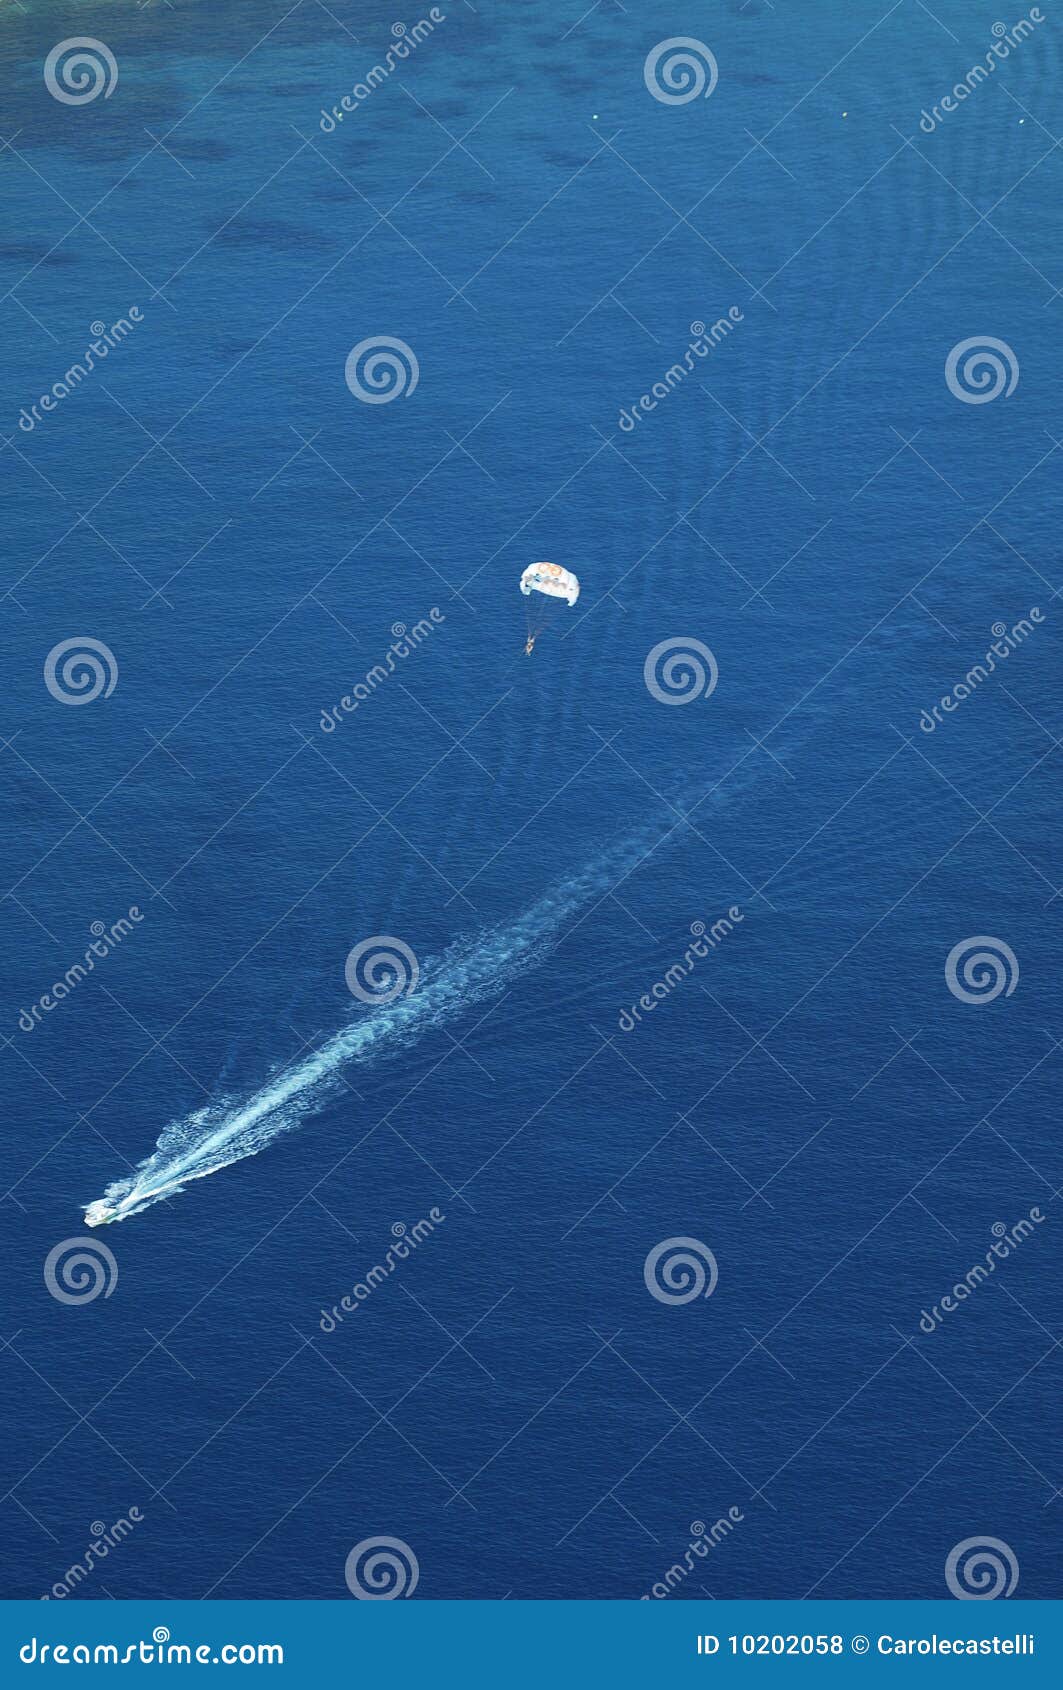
point(448, 111)
point(271, 232)
point(569, 83)
point(22, 253)
point(293, 90)
point(202, 149)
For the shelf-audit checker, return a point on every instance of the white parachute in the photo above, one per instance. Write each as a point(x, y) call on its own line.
point(551, 579)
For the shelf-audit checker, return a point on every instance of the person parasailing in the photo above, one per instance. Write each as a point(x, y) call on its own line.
point(552, 582)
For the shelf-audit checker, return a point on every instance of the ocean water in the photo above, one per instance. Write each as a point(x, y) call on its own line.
point(837, 1130)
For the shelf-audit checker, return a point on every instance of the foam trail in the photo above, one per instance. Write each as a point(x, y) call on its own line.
point(468, 972)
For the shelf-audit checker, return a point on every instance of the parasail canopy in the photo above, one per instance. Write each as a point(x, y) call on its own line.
point(551, 579)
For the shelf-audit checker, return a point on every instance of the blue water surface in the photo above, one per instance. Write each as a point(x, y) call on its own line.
point(810, 1103)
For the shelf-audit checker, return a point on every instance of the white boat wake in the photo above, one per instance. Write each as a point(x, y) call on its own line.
point(467, 973)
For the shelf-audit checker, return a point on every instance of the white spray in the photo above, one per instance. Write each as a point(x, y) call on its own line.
point(468, 972)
